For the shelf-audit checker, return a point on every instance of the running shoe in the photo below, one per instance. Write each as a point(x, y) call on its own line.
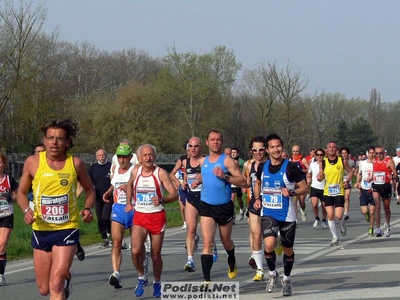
point(215, 253)
point(2, 280)
point(278, 247)
point(80, 252)
point(184, 226)
point(68, 286)
point(303, 215)
point(370, 232)
point(115, 280)
point(252, 263)
point(196, 242)
point(378, 232)
point(259, 275)
point(334, 242)
point(234, 219)
point(343, 229)
point(232, 272)
point(387, 230)
point(156, 289)
point(189, 267)
point(286, 287)
point(346, 216)
point(124, 246)
point(204, 286)
point(139, 289)
point(316, 223)
point(271, 283)
point(398, 202)
point(367, 217)
point(324, 225)
point(146, 263)
point(241, 216)
point(105, 244)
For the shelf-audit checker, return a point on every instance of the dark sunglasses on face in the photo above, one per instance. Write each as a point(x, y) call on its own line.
point(319, 154)
point(194, 146)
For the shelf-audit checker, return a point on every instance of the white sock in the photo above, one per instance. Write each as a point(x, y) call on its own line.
point(190, 257)
point(332, 227)
point(241, 210)
point(257, 255)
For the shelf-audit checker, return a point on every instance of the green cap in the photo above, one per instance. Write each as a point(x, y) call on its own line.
point(123, 149)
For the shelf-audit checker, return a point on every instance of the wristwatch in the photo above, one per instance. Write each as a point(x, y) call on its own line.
point(227, 176)
point(89, 209)
point(292, 193)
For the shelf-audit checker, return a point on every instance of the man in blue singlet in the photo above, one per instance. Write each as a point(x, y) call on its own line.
point(276, 185)
point(215, 206)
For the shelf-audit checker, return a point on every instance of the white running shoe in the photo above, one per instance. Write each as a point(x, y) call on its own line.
point(316, 223)
point(2, 280)
point(324, 225)
point(343, 229)
point(303, 215)
point(387, 230)
point(271, 283)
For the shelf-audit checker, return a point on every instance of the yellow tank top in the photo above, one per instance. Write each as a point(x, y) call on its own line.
point(54, 192)
point(334, 178)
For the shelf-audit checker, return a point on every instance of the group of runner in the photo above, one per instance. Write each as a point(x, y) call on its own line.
point(272, 181)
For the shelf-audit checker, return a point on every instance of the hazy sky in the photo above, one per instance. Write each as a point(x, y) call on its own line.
point(349, 47)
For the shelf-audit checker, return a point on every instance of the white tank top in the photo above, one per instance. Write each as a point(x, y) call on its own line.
point(145, 188)
point(117, 180)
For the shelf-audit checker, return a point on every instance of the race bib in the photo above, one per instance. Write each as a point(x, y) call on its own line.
point(119, 194)
point(191, 178)
point(367, 184)
point(55, 209)
point(272, 198)
point(144, 195)
point(5, 208)
point(333, 190)
point(379, 177)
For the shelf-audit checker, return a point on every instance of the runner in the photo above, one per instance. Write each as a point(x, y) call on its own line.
point(317, 189)
point(276, 182)
point(332, 170)
point(364, 183)
point(383, 168)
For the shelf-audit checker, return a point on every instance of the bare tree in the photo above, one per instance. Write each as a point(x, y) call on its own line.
point(288, 86)
point(260, 96)
point(20, 29)
point(193, 81)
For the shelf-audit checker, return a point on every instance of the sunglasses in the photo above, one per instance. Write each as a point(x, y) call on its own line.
point(377, 153)
point(319, 154)
point(193, 146)
point(258, 149)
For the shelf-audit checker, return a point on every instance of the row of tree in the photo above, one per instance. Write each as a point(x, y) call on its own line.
point(164, 101)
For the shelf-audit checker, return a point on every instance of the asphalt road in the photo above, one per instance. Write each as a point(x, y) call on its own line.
point(361, 267)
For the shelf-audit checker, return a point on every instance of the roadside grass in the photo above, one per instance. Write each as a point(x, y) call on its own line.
point(19, 245)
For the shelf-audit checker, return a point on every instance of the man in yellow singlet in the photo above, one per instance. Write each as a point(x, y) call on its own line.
point(54, 174)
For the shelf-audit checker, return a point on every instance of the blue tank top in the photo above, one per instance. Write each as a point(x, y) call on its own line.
point(215, 191)
point(274, 204)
